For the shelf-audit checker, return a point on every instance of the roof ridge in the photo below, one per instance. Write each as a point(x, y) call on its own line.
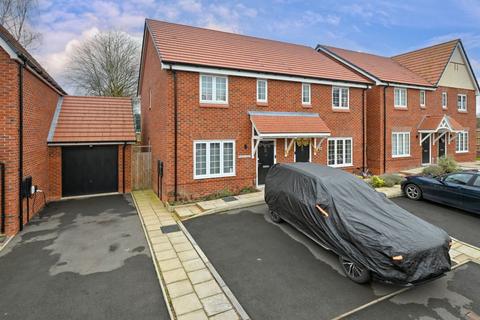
point(425, 48)
point(231, 33)
point(361, 52)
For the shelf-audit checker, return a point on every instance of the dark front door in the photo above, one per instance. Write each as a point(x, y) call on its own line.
point(442, 146)
point(302, 153)
point(426, 149)
point(89, 170)
point(266, 159)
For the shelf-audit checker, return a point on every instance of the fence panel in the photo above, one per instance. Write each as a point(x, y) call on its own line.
point(142, 167)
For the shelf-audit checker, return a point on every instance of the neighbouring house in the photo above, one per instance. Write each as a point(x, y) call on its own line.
point(60, 145)
point(219, 109)
point(421, 108)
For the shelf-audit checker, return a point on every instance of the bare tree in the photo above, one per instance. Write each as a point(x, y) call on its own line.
point(15, 16)
point(105, 65)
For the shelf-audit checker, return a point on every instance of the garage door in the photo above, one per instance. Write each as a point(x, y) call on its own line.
point(89, 170)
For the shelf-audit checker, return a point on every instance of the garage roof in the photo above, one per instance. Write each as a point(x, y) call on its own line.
point(92, 120)
point(181, 44)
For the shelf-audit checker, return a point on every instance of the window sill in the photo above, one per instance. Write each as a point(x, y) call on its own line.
point(462, 111)
point(461, 152)
point(423, 107)
point(214, 105)
point(307, 105)
point(400, 157)
point(334, 109)
point(262, 104)
point(402, 108)
point(214, 176)
point(340, 165)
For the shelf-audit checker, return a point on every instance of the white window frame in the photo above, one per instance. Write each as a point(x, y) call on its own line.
point(214, 89)
point(344, 164)
point(444, 100)
point(340, 96)
point(399, 91)
point(266, 91)
point(309, 94)
point(423, 102)
point(463, 98)
point(207, 159)
point(462, 147)
point(405, 134)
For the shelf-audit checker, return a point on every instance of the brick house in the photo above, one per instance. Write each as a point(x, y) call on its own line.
point(35, 133)
point(422, 106)
point(218, 118)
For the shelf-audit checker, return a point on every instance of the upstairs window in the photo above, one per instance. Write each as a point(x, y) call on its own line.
point(422, 98)
point(444, 100)
point(340, 98)
point(462, 142)
point(262, 91)
point(400, 97)
point(213, 89)
point(306, 95)
point(462, 102)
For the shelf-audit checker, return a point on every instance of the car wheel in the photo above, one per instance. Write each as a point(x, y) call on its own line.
point(355, 272)
point(412, 191)
point(275, 217)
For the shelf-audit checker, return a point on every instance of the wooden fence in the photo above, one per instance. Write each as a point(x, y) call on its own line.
point(142, 168)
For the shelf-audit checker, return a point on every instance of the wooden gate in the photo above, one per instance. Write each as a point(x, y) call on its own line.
point(142, 167)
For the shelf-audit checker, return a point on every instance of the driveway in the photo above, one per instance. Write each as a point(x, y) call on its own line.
point(277, 273)
point(82, 259)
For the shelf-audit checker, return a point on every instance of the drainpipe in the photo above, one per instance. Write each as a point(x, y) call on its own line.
point(364, 136)
point(175, 121)
point(385, 128)
point(2, 221)
point(20, 142)
point(123, 166)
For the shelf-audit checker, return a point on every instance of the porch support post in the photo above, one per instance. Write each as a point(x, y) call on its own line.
point(318, 147)
point(289, 147)
point(439, 136)
point(425, 137)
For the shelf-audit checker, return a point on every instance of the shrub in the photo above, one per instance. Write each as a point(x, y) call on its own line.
point(448, 164)
point(391, 179)
point(245, 190)
point(433, 171)
point(377, 182)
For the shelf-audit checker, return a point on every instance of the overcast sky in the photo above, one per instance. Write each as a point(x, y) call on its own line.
point(377, 26)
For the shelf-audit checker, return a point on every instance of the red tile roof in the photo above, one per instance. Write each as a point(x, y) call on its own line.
point(279, 123)
point(431, 123)
point(428, 62)
point(203, 47)
point(94, 119)
point(383, 68)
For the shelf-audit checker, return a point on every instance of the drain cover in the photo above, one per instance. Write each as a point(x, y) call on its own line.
point(170, 228)
point(229, 199)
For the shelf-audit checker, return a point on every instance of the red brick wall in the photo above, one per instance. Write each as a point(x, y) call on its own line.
point(408, 120)
point(9, 137)
point(196, 122)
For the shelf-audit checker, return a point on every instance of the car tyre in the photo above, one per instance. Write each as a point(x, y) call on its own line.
point(355, 272)
point(413, 192)
point(275, 217)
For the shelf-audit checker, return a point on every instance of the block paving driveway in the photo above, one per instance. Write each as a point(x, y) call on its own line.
point(277, 273)
point(82, 259)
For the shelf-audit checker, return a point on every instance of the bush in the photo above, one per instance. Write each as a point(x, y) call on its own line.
point(377, 182)
point(433, 171)
point(448, 165)
point(391, 179)
point(245, 190)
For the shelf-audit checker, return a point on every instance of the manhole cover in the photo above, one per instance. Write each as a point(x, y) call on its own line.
point(229, 199)
point(170, 228)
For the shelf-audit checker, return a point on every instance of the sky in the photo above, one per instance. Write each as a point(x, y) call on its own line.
point(376, 26)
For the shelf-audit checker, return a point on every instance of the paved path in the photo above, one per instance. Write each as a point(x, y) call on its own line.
point(193, 288)
point(83, 259)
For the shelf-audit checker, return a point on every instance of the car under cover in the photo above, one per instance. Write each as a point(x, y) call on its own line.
point(362, 224)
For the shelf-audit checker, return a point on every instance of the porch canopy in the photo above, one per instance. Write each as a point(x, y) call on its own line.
point(287, 125)
point(439, 126)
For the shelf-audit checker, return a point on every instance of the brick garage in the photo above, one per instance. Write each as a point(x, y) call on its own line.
point(90, 146)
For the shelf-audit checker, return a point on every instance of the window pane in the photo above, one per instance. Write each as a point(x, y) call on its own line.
point(396, 97)
point(400, 144)
point(207, 88)
point(214, 158)
point(201, 159)
point(305, 93)
point(422, 98)
point(459, 178)
point(221, 88)
point(340, 154)
point(261, 90)
point(407, 144)
point(395, 144)
point(228, 157)
point(336, 97)
point(344, 98)
point(348, 151)
point(331, 152)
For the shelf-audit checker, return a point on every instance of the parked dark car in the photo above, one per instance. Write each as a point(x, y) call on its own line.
point(460, 190)
point(373, 237)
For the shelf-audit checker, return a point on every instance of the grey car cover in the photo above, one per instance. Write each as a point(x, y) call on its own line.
point(362, 224)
